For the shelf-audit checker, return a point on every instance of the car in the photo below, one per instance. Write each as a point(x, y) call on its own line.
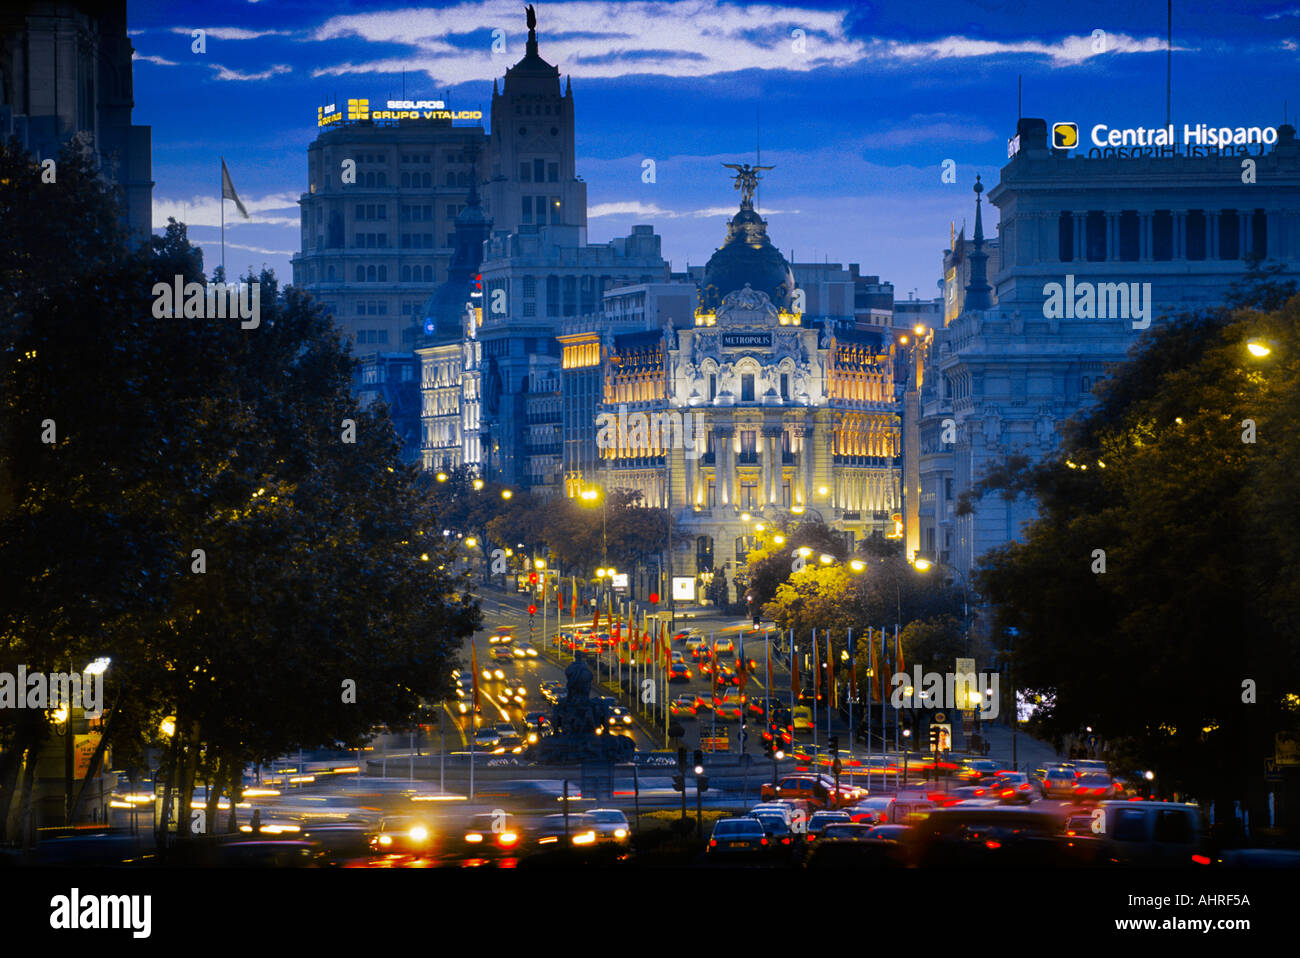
point(785, 810)
point(494, 675)
point(974, 771)
point(1058, 782)
point(682, 705)
point(703, 702)
point(781, 737)
point(693, 645)
point(402, 835)
point(760, 707)
point(970, 792)
point(1084, 765)
point(724, 645)
point(1094, 787)
point(488, 738)
point(895, 833)
point(817, 790)
point(679, 672)
point(775, 827)
point(871, 811)
point(735, 837)
point(677, 657)
point(820, 820)
point(610, 825)
point(525, 650)
point(1150, 833)
point(551, 829)
point(502, 653)
point(492, 833)
point(551, 690)
point(1012, 788)
point(511, 744)
point(845, 832)
point(726, 675)
point(536, 721)
point(727, 710)
point(619, 717)
point(802, 719)
point(502, 635)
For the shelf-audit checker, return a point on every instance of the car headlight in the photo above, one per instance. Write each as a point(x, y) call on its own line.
point(385, 839)
point(508, 838)
point(620, 833)
point(584, 838)
point(419, 834)
point(473, 838)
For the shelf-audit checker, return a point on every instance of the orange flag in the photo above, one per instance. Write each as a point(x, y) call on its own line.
point(830, 671)
point(473, 669)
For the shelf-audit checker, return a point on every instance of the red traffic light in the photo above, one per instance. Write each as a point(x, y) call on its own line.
point(532, 577)
point(532, 610)
point(654, 598)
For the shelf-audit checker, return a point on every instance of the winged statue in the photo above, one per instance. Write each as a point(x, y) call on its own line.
point(746, 180)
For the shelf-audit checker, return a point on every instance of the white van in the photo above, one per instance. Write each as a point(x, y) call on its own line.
point(1148, 833)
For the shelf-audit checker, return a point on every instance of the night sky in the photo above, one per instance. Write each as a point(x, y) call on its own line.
point(857, 123)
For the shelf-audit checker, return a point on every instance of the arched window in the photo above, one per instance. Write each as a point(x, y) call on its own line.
point(330, 273)
point(406, 179)
point(383, 274)
point(451, 179)
point(406, 274)
point(368, 179)
point(428, 274)
point(361, 274)
point(370, 274)
point(427, 179)
point(462, 179)
point(383, 179)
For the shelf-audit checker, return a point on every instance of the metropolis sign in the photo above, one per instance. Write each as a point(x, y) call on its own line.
point(741, 340)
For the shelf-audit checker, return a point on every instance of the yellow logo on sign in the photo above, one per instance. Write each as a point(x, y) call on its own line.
point(358, 109)
point(1065, 136)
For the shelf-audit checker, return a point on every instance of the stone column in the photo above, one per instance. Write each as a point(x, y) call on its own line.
point(726, 465)
point(1112, 237)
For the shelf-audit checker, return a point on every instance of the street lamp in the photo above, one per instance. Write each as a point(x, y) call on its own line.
point(1258, 348)
point(506, 493)
point(478, 485)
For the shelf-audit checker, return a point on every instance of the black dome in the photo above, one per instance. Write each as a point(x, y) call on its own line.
point(747, 256)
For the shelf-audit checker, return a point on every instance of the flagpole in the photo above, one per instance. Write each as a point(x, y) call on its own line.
point(816, 683)
point(223, 220)
point(853, 691)
point(895, 665)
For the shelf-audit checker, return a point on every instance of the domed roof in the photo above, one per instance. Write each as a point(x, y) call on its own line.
point(747, 256)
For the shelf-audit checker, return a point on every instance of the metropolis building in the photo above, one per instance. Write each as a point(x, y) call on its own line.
point(1152, 232)
point(786, 417)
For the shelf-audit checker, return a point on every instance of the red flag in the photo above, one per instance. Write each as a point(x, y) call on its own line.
point(794, 669)
point(595, 622)
point(830, 671)
point(817, 668)
point(473, 667)
point(665, 648)
point(573, 608)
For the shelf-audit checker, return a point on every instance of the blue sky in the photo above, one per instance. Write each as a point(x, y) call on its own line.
point(857, 113)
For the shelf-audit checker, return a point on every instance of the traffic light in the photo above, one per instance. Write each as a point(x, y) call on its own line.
point(934, 738)
point(702, 782)
point(654, 598)
point(767, 747)
point(834, 743)
point(532, 610)
point(532, 578)
point(681, 758)
point(699, 761)
point(679, 783)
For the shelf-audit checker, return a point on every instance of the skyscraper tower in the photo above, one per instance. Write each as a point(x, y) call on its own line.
point(532, 179)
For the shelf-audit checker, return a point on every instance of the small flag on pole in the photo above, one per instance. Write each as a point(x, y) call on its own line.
point(228, 190)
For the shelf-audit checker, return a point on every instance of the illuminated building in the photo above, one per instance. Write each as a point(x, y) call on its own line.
point(65, 68)
point(373, 249)
point(1002, 376)
point(751, 413)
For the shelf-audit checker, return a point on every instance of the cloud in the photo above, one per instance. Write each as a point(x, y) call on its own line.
point(225, 73)
point(161, 61)
point(231, 33)
point(206, 210)
point(1278, 15)
point(688, 38)
point(1069, 51)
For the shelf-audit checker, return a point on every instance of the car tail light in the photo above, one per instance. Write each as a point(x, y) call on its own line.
point(1200, 859)
point(785, 841)
point(992, 844)
point(763, 841)
point(713, 842)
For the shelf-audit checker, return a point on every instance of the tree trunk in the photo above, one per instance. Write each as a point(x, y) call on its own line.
point(188, 769)
point(96, 760)
point(169, 782)
point(26, 828)
point(236, 775)
point(215, 789)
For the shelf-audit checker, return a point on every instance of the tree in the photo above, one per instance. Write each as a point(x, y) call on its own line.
point(933, 643)
point(1164, 566)
point(196, 516)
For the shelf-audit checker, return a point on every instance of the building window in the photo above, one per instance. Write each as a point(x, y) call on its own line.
point(785, 495)
point(1195, 234)
point(552, 172)
point(525, 172)
point(361, 274)
point(1162, 235)
point(748, 446)
point(747, 387)
point(1128, 235)
point(785, 392)
point(703, 553)
point(1259, 233)
point(539, 171)
point(527, 216)
point(1065, 229)
point(1095, 230)
point(552, 296)
point(530, 287)
point(1229, 235)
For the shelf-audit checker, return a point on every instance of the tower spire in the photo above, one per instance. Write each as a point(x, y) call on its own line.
point(978, 289)
point(532, 31)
